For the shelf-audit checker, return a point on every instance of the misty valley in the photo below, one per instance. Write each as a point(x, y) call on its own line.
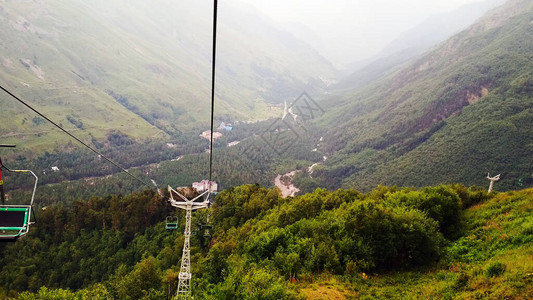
point(208, 150)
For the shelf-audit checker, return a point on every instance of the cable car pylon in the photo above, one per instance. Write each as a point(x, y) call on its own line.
point(178, 200)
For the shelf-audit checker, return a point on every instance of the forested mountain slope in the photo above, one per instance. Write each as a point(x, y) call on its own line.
point(435, 242)
point(139, 67)
point(454, 115)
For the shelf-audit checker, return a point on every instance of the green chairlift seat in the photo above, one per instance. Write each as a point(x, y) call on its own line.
point(171, 223)
point(15, 220)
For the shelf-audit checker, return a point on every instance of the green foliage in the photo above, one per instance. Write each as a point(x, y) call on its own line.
point(261, 284)
point(493, 261)
point(470, 196)
point(75, 121)
point(155, 87)
point(452, 115)
point(441, 203)
point(144, 282)
point(117, 248)
point(116, 138)
point(331, 230)
point(97, 292)
point(430, 122)
point(495, 269)
point(511, 210)
point(174, 162)
point(234, 206)
point(392, 238)
point(46, 294)
point(37, 120)
point(85, 244)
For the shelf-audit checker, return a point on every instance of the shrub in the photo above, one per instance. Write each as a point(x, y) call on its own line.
point(470, 196)
point(441, 203)
point(398, 237)
point(462, 281)
point(495, 269)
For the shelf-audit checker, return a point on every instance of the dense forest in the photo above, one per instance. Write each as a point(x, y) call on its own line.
point(268, 247)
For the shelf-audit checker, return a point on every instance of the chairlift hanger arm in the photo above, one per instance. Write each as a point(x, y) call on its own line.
point(24, 171)
point(27, 171)
point(8, 169)
point(2, 165)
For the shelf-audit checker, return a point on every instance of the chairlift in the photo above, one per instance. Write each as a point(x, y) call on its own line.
point(15, 220)
point(171, 223)
point(207, 231)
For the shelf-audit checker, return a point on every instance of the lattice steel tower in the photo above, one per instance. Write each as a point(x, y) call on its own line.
point(184, 277)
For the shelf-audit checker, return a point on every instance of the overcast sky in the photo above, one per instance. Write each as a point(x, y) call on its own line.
point(363, 26)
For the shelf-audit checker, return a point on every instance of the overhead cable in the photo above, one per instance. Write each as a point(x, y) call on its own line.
point(213, 88)
point(74, 137)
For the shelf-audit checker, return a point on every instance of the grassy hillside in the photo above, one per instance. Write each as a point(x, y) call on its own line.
point(454, 115)
point(141, 68)
point(389, 243)
point(492, 260)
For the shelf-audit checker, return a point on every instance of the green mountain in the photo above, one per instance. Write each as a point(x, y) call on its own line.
point(441, 242)
point(139, 67)
point(415, 42)
point(455, 114)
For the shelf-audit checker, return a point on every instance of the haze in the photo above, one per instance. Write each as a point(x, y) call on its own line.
point(345, 31)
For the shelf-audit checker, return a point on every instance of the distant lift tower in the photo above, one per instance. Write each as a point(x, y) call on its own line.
point(180, 201)
point(492, 179)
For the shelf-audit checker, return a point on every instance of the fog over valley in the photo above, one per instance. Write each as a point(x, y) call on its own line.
point(243, 149)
